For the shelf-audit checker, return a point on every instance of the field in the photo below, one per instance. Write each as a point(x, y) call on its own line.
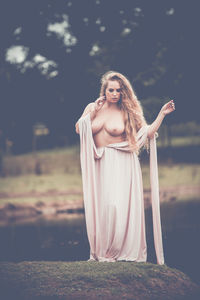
point(55, 175)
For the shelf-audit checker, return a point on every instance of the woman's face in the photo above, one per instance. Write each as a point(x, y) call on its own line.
point(113, 91)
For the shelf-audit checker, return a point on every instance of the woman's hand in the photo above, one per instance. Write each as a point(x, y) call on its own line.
point(168, 107)
point(96, 106)
point(99, 103)
point(92, 108)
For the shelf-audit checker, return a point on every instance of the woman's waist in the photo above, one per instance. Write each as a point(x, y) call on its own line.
point(102, 142)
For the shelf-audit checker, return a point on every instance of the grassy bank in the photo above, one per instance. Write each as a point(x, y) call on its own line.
point(93, 280)
point(68, 186)
point(57, 171)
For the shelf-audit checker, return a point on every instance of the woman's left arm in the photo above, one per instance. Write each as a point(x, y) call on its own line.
point(166, 109)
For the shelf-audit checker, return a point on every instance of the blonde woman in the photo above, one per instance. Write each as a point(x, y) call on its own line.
point(112, 130)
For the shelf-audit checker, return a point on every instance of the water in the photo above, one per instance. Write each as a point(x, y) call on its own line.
point(45, 239)
point(64, 238)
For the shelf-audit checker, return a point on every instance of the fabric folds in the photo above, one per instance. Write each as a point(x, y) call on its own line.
point(113, 198)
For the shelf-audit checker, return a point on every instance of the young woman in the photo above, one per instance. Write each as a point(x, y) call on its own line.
point(112, 130)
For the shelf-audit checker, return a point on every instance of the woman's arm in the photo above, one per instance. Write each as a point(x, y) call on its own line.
point(92, 108)
point(166, 109)
point(86, 111)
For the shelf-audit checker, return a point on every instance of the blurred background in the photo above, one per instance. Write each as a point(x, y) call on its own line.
point(52, 56)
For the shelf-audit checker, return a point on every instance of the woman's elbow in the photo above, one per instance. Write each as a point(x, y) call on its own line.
point(150, 133)
point(77, 128)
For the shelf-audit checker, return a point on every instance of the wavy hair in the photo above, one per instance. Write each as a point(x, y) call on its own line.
point(129, 104)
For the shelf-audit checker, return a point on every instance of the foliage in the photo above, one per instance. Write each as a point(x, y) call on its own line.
point(65, 46)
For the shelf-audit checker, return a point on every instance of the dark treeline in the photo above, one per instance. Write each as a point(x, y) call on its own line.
point(53, 53)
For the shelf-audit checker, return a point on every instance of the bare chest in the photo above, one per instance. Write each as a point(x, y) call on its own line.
point(112, 123)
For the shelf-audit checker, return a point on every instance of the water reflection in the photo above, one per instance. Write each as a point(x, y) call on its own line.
point(64, 237)
point(49, 238)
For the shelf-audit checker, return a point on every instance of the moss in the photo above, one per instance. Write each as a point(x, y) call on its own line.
point(93, 280)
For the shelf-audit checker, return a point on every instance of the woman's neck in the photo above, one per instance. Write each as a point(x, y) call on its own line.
point(111, 105)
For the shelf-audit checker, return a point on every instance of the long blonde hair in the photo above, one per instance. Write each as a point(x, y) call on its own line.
point(129, 104)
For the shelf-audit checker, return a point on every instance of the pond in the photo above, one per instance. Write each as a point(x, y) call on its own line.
point(65, 238)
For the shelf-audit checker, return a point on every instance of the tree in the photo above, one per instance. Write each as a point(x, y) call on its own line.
point(54, 52)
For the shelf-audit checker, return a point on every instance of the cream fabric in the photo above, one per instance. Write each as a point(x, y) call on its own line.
point(113, 198)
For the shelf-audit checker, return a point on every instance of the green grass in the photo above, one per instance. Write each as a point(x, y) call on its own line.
point(64, 160)
point(93, 280)
point(169, 176)
point(60, 171)
point(42, 183)
point(174, 175)
point(53, 200)
point(182, 141)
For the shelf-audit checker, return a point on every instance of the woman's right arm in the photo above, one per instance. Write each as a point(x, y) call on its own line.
point(86, 111)
point(92, 108)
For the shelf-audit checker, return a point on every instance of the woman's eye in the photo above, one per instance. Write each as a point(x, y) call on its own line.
point(112, 90)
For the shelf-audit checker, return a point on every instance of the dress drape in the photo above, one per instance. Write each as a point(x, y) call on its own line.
point(113, 198)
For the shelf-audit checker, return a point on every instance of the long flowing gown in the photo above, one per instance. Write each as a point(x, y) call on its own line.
point(113, 198)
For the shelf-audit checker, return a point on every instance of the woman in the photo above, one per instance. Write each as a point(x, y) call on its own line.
point(112, 130)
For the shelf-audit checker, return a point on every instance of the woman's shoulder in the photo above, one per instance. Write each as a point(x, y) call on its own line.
point(90, 106)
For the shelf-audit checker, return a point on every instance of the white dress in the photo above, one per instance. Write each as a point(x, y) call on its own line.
point(113, 198)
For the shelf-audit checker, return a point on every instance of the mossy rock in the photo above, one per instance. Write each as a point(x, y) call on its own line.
point(94, 280)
